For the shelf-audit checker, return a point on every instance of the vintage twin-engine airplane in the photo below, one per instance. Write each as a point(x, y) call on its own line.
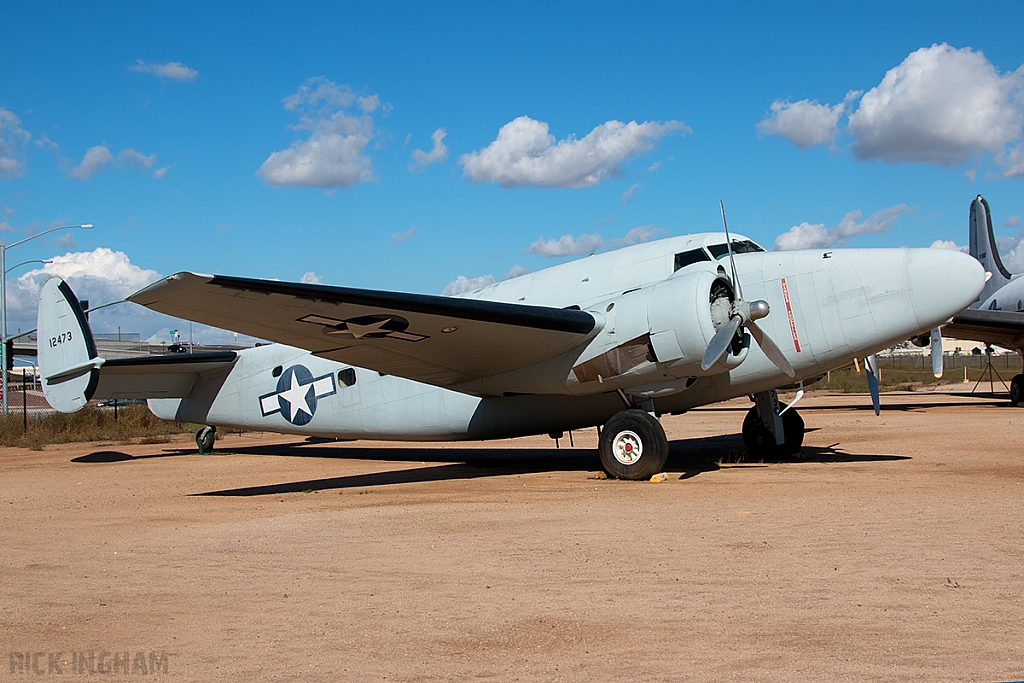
point(615, 339)
point(997, 317)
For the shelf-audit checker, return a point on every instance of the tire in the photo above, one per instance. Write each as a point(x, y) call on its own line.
point(204, 440)
point(1017, 390)
point(633, 446)
point(760, 442)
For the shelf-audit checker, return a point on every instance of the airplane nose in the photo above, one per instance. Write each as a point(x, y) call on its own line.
point(942, 283)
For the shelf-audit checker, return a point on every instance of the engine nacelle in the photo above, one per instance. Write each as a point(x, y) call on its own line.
point(658, 334)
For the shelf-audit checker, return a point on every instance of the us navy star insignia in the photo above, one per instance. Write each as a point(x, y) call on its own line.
point(378, 326)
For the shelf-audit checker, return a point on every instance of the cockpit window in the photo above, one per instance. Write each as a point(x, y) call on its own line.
point(685, 258)
point(738, 247)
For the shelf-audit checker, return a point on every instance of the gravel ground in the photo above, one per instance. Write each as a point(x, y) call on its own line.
point(892, 551)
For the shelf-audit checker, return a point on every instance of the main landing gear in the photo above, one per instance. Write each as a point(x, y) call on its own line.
point(204, 440)
point(769, 435)
point(1017, 390)
point(633, 445)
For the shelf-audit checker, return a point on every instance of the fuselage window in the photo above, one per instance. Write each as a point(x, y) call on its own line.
point(347, 377)
point(738, 247)
point(685, 258)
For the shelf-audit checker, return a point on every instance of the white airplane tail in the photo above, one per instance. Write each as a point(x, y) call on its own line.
point(68, 361)
point(983, 248)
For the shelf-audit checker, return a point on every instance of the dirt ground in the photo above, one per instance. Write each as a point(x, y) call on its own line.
point(893, 551)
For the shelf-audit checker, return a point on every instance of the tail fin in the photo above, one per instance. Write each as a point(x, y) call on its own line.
point(983, 248)
point(68, 361)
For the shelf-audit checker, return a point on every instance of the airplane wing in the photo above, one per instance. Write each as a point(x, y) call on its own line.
point(1002, 328)
point(438, 340)
point(159, 376)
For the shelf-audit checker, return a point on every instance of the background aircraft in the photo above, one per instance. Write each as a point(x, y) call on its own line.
point(997, 317)
point(614, 339)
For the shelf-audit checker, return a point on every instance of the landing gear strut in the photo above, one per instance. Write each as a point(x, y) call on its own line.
point(205, 438)
point(633, 445)
point(769, 435)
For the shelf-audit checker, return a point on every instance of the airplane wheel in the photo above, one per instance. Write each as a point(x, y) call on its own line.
point(205, 438)
point(760, 442)
point(1016, 390)
point(633, 445)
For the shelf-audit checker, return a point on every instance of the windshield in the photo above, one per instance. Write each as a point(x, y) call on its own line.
point(738, 247)
point(685, 258)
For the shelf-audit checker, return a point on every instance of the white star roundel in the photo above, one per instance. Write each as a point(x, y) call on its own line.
point(297, 395)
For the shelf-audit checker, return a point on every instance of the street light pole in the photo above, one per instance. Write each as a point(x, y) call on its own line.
point(3, 304)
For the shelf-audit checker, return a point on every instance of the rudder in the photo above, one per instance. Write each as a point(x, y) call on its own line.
point(68, 361)
point(983, 248)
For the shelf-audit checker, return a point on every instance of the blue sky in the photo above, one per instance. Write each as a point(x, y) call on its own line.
point(278, 140)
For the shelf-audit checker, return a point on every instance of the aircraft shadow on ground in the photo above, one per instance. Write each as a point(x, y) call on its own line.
point(118, 456)
point(690, 457)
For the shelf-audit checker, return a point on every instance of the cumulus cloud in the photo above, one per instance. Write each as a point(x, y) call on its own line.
point(437, 153)
point(948, 244)
point(1012, 222)
point(400, 237)
point(970, 174)
point(817, 236)
point(99, 156)
point(175, 71)
point(940, 106)
point(340, 127)
point(13, 139)
point(311, 278)
point(463, 284)
point(567, 245)
point(525, 153)
point(1011, 252)
point(805, 123)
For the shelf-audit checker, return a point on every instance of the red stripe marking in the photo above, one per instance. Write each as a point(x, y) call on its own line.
point(789, 312)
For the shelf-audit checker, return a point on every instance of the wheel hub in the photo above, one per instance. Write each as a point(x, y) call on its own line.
point(627, 447)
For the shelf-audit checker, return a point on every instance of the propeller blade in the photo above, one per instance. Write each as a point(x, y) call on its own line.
point(770, 348)
point(732, 261)
point(936, 353)
point(871, 367)
point(719, 344)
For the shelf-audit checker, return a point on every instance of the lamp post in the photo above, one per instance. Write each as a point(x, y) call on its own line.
point(3, 302)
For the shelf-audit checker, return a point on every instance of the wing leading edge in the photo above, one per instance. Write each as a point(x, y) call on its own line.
point(438, 340)
point(1003, 328)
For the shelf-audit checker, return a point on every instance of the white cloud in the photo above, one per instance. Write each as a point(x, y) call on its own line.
point(627, 196)
point(567, 245)
point(525, 153)
point(1011, 252)
point(332, 156)
point(99, 156)
point(817, 236)
point(311, 278)
point(462, 284)
point(940, 106)
point(805, 123)
point(1012, 222)
point(176, 71)
point(13, 139)
point(437, 153)
point(516, 271)
point(970, 174)
point(948, 244)
point(400, 237)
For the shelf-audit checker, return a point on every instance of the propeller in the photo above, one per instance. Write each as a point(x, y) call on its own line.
point(871, 368)
point(936, 353)
point(743, 314)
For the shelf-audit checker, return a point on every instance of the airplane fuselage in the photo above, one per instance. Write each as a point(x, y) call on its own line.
point(827, 307)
